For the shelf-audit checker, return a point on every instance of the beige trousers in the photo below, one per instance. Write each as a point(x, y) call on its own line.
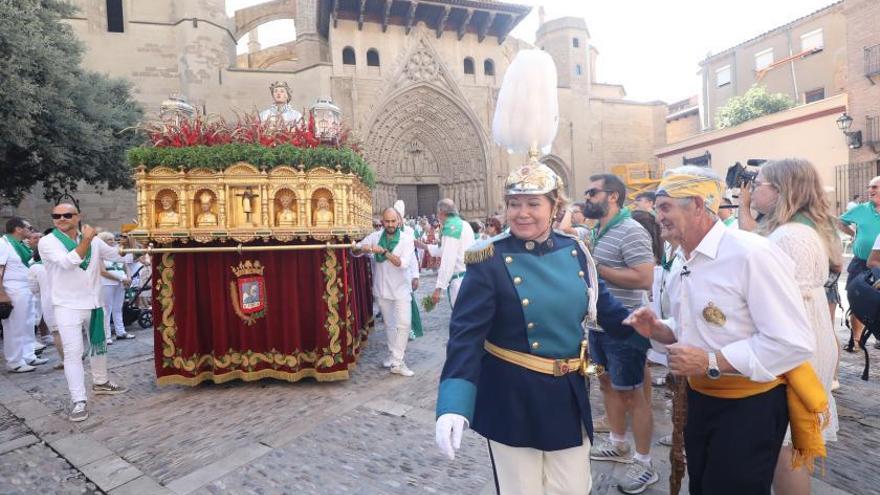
point(526, 471)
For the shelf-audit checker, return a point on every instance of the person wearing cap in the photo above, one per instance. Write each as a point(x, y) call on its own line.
point(517, 351)
point(738, 331)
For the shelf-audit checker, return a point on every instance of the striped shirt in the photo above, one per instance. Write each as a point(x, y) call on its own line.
point(625, 245)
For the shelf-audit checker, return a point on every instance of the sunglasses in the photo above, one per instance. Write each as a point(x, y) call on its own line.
point(592, 192)
point(59, 216)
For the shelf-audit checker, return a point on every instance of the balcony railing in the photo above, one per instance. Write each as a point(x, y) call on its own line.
point(872, 60)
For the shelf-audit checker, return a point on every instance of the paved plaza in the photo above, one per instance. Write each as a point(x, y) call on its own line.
point(372, 434)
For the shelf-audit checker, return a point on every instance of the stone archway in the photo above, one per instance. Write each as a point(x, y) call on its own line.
point(423, 137)
point(558, 165)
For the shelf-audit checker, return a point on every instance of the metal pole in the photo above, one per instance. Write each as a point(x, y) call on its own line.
point(235, 249)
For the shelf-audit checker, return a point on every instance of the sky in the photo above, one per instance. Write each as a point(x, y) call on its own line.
point(652, 47)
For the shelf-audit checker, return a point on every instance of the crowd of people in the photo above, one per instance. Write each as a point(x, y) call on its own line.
point(59, 286)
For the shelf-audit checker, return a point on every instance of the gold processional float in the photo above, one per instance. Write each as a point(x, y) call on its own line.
point(249, 228)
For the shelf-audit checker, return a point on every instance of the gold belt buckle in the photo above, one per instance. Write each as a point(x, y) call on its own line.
point(561, 367)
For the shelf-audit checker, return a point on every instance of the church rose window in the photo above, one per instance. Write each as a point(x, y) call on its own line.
point(348, 56)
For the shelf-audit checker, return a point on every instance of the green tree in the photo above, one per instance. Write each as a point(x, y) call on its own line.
point(59, 124)
point(753, 104)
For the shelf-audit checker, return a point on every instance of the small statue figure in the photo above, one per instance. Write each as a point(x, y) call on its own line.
point(247, 206)
point(167, 217)
point(281, 113)
point(206, 218)
point(323, 216)
point(285, 217)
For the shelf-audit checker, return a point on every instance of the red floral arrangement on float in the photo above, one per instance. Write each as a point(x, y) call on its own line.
point(248, 129)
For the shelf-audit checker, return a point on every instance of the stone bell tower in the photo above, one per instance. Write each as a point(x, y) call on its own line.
point(567, 40)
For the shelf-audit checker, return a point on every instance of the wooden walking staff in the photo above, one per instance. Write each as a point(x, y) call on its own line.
point(679, 418)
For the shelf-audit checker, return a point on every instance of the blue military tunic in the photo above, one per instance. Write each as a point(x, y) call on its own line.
point(532, 298)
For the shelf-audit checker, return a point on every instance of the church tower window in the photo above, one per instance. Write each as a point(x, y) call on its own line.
point(114, 16)
point(575, 43)
point(348, 57)
point(468, 65)
point(372, 58)
point(489, 67)
point(578, 70)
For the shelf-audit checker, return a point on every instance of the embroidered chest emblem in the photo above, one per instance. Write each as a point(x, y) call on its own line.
point(713, 315)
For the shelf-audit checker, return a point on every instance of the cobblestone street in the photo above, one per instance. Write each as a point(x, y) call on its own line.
point(372, 434)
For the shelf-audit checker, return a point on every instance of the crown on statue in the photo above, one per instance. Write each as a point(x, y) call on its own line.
point(248, 268)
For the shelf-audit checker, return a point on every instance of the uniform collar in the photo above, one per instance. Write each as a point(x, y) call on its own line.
point(709, 245)
point(537, 247)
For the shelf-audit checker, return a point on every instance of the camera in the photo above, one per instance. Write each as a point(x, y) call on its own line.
point(739, 176)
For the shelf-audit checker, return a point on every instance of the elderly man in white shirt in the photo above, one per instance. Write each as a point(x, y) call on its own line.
point(737, 323)
point(18, 329)
point(73, 261)
point(391, 250)
point(456, 238)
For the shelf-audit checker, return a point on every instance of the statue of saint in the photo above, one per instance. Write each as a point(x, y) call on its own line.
point(206, 218)
point(281, 113)
point(247, 205)
point(322, 216)
point(167, 217)
point(285, 217)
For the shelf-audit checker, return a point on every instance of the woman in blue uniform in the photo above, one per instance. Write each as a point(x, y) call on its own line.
point(515, 360)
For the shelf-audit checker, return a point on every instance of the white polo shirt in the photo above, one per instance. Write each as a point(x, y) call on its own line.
point(73, 287)
point(389, 281)
point(15, 276)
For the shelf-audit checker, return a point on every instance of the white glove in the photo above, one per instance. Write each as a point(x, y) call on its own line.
point(448, 433)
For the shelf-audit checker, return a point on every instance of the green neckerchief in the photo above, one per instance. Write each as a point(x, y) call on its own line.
point(97, 342)
point(70, 244)
point(115, 267)
point(21, 250)
point(622, 215)
point(388, 244)
point(452, 226)
point(802, 219)
point(729, 221)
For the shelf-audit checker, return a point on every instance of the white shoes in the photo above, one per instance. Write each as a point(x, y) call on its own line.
point(401, 369)
point(387, 362)
point(24, 368)
point(37, 361)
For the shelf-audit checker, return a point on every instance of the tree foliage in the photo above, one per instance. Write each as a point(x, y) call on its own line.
point(755, 103)
point(59, 124)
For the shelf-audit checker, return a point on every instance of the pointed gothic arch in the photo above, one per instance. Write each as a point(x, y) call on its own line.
point(558, 165)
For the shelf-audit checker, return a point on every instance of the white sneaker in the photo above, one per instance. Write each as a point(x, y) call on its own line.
point(37, 361)
point(24, 368)
point(386, 363)
point(79, 412)
point(39, 347)
point(401, 369)
point(109, 341)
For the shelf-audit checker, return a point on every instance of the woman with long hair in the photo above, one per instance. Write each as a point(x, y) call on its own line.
point(798, 219)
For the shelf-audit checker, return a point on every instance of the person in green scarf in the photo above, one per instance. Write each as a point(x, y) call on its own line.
point(73, 260)
point(18, 337)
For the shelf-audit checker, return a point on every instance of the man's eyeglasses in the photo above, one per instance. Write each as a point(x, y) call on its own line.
point(59, 216)
point(592, 192)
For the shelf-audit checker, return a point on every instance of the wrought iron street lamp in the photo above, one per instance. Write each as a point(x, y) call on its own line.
point(854, 138)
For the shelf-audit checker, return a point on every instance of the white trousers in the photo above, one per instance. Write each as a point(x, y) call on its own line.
point(70, 326)
point(453, 291)
point(18, 333)
point(114, 295)
point(526, 471)
point(397, 314)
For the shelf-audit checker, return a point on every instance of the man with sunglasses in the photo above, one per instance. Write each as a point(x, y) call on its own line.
point(624, 258)
point(862, 222)
point(73, 260)
point(18, 334)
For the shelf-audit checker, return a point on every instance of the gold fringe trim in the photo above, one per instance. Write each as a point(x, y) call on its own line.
point(478, 254)
point(251, 376)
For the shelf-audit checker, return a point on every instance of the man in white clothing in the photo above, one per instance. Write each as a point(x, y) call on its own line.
point(18, 330)
point(73, 261)
point(456, 238)
point(391, 250)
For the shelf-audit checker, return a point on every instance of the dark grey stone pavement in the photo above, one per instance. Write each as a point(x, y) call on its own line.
point(372, 434)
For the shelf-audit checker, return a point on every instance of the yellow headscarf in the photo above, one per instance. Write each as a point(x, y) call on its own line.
point(688, 186)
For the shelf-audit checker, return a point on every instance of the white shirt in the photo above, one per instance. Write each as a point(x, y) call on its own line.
point(451, 254)
point(389, 281)
point(119, 274)
point(40, 286)
point(73, 287)
point(15, 275)
point(750, 281)
point(413, 263)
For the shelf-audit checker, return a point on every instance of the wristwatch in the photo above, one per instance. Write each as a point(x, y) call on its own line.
point(713, 372)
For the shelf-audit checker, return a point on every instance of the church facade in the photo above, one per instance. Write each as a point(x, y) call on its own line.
point(416, 80)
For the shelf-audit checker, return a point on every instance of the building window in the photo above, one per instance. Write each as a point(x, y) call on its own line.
point(372, 58)
point(812, 40)
point(489, 67)
point(468, 65)
point(114, 16)
point(578, 70)
point(576, 43)
point(348, 57)
point(764, 59)
point(814, 95)
point(722, 76)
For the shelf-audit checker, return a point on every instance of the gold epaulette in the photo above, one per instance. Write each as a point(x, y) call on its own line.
point(479, 252)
